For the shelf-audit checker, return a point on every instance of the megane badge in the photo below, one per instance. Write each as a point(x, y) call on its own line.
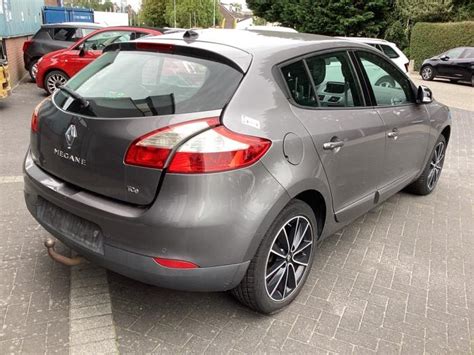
point(71, 135)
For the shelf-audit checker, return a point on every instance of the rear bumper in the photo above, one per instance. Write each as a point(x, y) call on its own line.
point(187, 222)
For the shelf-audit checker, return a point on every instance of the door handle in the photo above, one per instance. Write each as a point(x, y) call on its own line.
point(394, 134)
point(333, 145)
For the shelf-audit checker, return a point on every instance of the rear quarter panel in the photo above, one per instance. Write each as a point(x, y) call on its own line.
point(260, 108)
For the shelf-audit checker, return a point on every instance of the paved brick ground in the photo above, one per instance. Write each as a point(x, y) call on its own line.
point(34, 292)
point(398, 280)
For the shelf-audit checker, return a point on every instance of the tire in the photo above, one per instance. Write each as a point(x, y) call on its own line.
point(386, 81)
point(260, 288)
point(427, 73)
point(425, 184)
point(53, 78)
point(32, 70)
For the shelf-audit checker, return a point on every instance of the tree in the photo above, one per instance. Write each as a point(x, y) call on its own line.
point(153, 13)
point(342, 18)
point(193, 13)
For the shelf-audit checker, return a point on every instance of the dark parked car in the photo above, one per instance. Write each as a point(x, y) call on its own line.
point(216, 160)
point(52, 37)
point(457, 64)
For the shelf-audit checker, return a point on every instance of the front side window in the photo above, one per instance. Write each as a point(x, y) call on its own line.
point(468, 53)
point(389, 86)
point(454, 53)
point(103, 39)
point(133, 84)
point(335, 81)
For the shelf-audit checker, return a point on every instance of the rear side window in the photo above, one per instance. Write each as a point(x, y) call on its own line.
point(299, 84)
point(389, 51)
point(333, 78)
point(44, 33)
point(132, 84)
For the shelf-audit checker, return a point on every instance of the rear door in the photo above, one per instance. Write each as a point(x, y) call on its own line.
point(129, 96)
point(407, 124)
point(349, 136)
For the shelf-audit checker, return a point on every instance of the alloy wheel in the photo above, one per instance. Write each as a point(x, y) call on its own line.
point(436, 165)
point(426, 73)
point(288, 258)
point(54, 81)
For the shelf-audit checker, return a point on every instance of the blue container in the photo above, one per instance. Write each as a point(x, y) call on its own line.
point(54, 14)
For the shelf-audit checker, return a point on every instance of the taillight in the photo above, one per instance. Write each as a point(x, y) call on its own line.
point(26, 44)
point(152, 150)
point(406, 66)
point(218, 149)
point(35, 118)
point(175, 264)
point(213, 150)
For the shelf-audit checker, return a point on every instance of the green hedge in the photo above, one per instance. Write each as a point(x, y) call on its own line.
point(429, 39)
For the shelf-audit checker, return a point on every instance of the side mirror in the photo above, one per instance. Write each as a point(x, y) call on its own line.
point(424, 95)
point(82, 50)
point(444, 57)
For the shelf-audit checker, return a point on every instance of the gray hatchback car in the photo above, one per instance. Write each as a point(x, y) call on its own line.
point(215, 160)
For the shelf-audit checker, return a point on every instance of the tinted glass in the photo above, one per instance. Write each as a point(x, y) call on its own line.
point(334, 80)
point(299, 84)
point(468, 53)
point(389, 51)
point(64, 34)
point(454, 53)
point(103, 39)
point(389, 85)
point(132, 84)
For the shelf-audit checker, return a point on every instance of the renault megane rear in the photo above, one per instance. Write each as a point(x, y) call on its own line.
point(215, 160)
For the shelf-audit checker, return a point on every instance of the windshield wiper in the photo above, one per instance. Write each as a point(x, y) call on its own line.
point(74, 95)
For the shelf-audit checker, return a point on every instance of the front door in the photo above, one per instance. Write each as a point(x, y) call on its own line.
point(407, 123)
point(349, 137)
point(91, 48)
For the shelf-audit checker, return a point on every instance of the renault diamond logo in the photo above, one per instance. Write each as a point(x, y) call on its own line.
point(71, 135)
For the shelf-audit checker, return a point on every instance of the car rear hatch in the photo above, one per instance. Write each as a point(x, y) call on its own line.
point(83, 133)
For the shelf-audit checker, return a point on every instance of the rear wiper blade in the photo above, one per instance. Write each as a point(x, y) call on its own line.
point(74, 95)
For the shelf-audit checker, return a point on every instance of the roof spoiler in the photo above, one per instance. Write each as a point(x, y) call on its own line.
point(161, 47)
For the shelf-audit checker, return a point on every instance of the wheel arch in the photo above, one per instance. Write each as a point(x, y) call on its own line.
point(317, 203)
point(446, 132)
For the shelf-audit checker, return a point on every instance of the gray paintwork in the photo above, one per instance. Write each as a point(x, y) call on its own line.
point(218, 220)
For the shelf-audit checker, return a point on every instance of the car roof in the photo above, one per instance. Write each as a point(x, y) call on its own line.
point(270, 45)
point(73, 24)
point(366, 40)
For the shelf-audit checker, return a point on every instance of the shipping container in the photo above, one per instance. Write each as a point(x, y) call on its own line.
point(20, 17)
point(54, 14)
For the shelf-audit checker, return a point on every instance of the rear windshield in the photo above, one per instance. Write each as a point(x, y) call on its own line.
point(389, 51)
point(137, 83)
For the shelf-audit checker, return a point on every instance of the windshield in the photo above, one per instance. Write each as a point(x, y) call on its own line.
point(137, 83)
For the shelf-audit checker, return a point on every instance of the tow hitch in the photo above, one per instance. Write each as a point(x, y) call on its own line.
point(49, 244)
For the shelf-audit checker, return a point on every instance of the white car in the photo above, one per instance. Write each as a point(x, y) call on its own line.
point(390, 49)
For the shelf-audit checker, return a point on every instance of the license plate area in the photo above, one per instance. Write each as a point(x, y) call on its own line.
point(77, 229)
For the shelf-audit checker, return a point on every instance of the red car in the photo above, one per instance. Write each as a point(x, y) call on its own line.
point(57, 67)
